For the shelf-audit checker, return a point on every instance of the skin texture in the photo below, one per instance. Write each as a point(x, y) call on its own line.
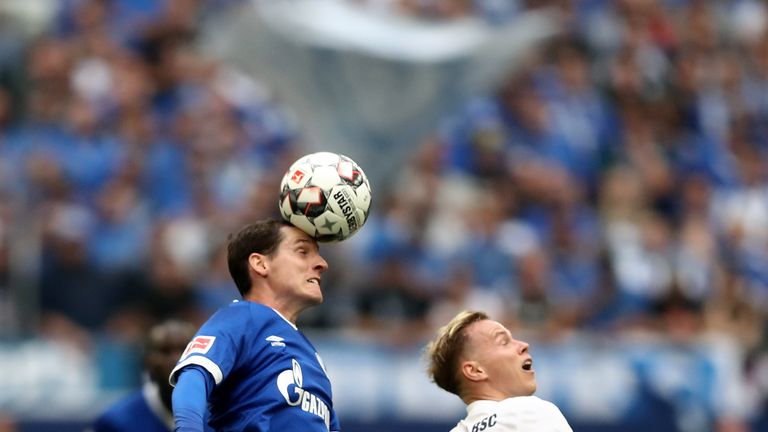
point(289, 279)
point(492, 364)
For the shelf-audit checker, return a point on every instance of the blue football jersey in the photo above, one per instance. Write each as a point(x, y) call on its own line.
point(139, 411)
point(268, 375)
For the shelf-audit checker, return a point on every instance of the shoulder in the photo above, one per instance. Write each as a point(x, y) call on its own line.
point(459, 428)
point(239, 316)
point(539, 404)
point(485, 414)
point(122, 411)
point(527, 401)
point(130, 401)
point(534, 410)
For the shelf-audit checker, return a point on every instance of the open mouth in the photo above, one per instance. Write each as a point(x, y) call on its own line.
point(528, 365)
point(314, 281)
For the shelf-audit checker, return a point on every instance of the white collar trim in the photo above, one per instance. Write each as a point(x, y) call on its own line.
point(285, 319)
point(151, 393)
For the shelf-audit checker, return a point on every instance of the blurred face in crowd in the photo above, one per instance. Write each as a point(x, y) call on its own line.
point(165, 345)
point(496, 363)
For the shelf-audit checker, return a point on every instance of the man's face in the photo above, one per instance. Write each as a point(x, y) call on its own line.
point(297, 266)
point(165, 347)
point(506, 361)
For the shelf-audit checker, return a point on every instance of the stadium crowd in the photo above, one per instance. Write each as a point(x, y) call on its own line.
point(618, 182)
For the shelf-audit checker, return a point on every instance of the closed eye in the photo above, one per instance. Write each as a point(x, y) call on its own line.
point(502, 339)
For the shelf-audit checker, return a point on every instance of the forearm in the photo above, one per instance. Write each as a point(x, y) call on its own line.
point(190, 399)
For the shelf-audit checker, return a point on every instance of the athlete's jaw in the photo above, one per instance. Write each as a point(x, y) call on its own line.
point(313, 289)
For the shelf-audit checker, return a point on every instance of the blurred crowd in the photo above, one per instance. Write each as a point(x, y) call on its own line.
point(126, 158)
point(617, 182)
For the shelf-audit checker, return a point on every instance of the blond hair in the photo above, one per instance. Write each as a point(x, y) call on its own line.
point(444, 351)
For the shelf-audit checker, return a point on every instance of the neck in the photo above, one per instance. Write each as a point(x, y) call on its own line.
point(488, 394)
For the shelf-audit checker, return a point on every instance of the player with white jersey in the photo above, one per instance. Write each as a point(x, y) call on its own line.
point(478, 360)
point(249, 364)
point(520, 413)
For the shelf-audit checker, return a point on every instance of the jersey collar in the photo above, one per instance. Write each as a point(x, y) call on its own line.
point(151, 393)
point(285, 319)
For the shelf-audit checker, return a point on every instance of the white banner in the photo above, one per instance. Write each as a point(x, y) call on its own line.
point(364, 83)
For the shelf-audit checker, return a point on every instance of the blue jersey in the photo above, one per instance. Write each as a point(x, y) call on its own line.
point(139, 411)
point(268, 375)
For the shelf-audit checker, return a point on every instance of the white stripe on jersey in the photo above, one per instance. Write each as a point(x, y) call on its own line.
point(199, 360)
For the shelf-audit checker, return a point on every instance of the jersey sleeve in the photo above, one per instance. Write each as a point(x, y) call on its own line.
point(216, 345)
point(190, 398)
point(334, 424)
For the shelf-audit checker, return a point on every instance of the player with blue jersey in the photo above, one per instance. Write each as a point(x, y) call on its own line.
point(149, 409)
point(249, 365)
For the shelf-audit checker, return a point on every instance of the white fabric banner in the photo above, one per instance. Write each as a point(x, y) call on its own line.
point(365, 83)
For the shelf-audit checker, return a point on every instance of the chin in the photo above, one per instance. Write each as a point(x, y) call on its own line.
point(314, 299)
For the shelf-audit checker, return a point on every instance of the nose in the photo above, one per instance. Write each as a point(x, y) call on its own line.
point(321, 265)
point(522, 347)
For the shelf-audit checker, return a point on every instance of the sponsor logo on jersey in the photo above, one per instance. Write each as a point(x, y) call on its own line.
point(290, 383)
point(485, 423)
point(200, 345)
point(275, 340)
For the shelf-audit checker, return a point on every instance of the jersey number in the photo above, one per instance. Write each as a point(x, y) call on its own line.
point(485, 423)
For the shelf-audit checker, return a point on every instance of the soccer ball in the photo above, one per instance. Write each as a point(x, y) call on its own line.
point(326, 195)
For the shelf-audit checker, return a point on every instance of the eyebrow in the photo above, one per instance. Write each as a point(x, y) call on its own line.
point(303, 241)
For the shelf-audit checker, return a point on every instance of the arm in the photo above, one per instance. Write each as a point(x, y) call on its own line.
point(190, 399)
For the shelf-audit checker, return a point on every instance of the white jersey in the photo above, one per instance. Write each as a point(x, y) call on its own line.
point(517, 414)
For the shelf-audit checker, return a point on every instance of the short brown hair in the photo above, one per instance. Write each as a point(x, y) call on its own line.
point(444, 350)
point(261, 237)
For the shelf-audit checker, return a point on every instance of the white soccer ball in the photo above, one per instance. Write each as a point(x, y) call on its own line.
point(326, 195)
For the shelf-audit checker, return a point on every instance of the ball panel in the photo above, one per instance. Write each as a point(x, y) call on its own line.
point(297, 176)
point(285, 204)
point(323, 158)
point(340, 200)
point(361, 215)
point(346, 171)
point(329, 224)
point(362, 198)
point(309, 195)
point(325, 177)
point(303, 223)
point(350, 172)
point(310, 201)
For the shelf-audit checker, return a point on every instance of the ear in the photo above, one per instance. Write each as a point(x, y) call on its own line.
point(473, 371)
point(259, 263)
